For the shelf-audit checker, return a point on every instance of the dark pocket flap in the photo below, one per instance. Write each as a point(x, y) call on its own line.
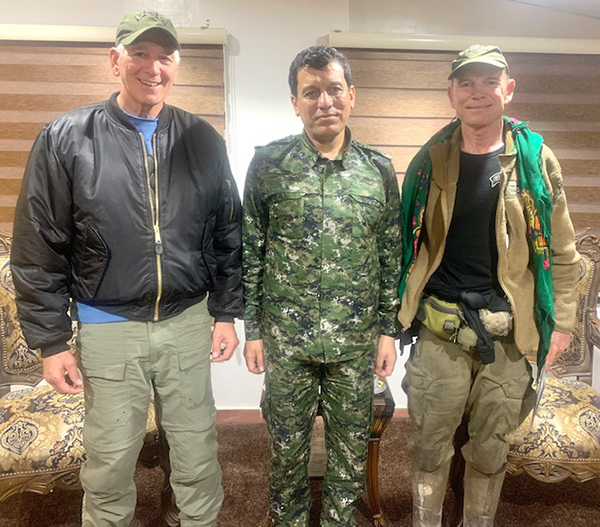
point(366, 212)
point(91, 263)
point(286, 214)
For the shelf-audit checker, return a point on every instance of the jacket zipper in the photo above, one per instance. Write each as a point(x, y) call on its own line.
point(230, 201)
point(154, 211)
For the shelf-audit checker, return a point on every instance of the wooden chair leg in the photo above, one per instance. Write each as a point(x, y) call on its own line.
point(373, 482)
point(457, 474)
point(383, 412)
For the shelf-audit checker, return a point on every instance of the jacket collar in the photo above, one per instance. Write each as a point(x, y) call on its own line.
point(303, 153)
point(450, 151)
point(114, 110)
point(445, 159)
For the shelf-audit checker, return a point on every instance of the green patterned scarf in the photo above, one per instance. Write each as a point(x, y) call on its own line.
point(538, 207)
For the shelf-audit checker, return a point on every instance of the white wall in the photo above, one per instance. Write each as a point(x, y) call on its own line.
point(265, 35)
point(469, 17)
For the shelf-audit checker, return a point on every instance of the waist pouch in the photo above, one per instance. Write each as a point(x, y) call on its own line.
point(443, 319)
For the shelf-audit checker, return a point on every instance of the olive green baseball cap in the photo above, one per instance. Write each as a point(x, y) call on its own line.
point(133, 25)
point(478, 54)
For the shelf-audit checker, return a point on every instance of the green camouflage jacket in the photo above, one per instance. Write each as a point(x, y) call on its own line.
point(321, 248)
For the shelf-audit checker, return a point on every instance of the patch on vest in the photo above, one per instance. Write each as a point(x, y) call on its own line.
point(512, 189)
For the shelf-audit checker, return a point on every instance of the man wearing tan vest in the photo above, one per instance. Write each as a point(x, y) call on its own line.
point(488, 273)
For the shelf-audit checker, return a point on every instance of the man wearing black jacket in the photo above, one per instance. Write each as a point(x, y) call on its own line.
point(129, 215)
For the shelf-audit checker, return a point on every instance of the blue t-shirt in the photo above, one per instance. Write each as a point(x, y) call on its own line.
point(147, 127)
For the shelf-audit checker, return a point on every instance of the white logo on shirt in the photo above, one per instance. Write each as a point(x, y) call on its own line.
point(495, 179)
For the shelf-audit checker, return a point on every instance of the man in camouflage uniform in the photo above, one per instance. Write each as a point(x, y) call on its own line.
point(321, 259)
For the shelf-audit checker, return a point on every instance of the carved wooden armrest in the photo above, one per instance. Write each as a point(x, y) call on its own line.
point(593, 330)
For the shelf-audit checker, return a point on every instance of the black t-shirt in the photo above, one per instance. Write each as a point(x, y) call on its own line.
point(471, 257)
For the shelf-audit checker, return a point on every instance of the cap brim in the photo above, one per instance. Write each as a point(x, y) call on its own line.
point(489, 62)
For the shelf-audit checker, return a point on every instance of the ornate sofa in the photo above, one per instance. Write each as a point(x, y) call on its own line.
point(40, 430)
point(564, 439)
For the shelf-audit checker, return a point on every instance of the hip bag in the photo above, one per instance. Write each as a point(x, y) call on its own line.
point(443, 319)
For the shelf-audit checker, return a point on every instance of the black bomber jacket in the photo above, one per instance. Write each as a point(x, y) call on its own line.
point(101, 222)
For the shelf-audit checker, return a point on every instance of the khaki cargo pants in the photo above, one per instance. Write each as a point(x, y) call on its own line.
point(444, 381)
point(122, 364)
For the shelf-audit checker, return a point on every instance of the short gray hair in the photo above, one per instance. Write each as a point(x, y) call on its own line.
point(121, 48)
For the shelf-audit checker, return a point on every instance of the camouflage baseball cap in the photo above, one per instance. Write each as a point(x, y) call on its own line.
point(134, 25)
point(478, 54)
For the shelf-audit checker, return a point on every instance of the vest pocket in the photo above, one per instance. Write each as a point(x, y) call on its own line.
point(366, 212)
point(286, 215)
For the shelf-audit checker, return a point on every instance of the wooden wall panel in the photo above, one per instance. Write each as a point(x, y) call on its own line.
point(19, 130)
point(195, 99)
point(7, 216)
point(203, 65)
point(402, 101)
point(41, 82)
point(576, 194)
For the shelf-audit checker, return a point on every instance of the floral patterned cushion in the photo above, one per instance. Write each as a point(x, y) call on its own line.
point(566, 427)
point(17, 357)
point(41, 431)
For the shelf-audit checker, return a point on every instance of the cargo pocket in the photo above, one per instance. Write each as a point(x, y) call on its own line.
point(500, 404)
point(286, 214)
point(520, 398)
point(515, 389)
point(366, 212)
point(195, 388)
point(109, 417)
point(415, 386)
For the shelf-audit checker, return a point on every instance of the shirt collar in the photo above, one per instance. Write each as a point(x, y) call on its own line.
point(305, 153)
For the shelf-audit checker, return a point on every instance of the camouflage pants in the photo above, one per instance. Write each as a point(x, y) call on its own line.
point(295, 389)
